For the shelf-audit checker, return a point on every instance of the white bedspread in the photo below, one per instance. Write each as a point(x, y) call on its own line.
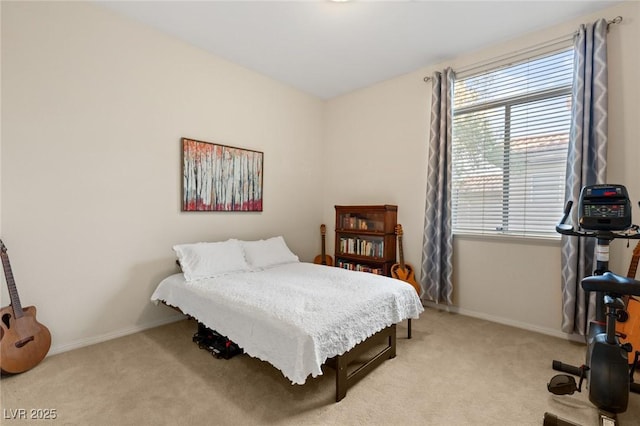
point(294, 316)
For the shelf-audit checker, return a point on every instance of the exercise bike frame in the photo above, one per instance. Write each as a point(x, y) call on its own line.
point(607, 361)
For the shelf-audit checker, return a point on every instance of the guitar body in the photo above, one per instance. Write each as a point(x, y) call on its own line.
point(403, 271)
point(24, 341)
point(327, 260)
point(405, 274)
point(631, 327)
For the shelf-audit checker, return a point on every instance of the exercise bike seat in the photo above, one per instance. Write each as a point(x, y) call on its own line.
point(611, 283)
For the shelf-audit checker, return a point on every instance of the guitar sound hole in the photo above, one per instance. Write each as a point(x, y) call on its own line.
point(21, 343)
point(5, 319)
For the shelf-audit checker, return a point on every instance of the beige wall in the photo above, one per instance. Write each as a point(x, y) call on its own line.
point(94, 106)
point(376, 140)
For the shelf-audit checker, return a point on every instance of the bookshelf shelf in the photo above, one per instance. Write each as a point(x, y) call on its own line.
point(365, 238)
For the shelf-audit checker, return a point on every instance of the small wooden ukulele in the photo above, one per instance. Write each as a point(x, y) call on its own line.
point(631, 327)
point(323, 259)
point(404, 271)
point(24, 342)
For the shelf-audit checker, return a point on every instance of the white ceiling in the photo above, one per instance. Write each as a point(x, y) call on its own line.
point(328, 49)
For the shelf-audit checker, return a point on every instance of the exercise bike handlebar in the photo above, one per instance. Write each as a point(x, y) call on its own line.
point(609, 282)
point(562, 227)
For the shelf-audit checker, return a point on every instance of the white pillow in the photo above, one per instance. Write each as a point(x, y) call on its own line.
point(205, 260)
point(265, 253)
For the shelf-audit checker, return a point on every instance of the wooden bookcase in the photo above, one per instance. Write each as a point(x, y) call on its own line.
point(365, 238)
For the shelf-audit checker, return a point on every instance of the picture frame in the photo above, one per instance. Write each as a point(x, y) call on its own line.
point(219, 177)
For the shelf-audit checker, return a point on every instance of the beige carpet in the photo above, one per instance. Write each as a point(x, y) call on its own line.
point(455, 371)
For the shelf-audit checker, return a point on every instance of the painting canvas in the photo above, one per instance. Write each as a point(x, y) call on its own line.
point(220, 178)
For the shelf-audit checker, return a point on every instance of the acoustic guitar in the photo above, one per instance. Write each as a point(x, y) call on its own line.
point(24, 342)
point(403, 271)
point(323, 258)
point(631, 327)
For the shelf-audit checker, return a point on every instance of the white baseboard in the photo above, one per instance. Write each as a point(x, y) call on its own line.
point(56, 349)
point(506, 321)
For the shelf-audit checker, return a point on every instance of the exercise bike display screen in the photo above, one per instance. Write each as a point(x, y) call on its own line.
point(605, 208)
point(604, 191)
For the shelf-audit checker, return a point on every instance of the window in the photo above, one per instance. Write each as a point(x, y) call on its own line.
point(509, 153)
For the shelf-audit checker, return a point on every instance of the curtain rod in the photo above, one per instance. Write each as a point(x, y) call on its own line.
point(547, 43)
point(614, 21)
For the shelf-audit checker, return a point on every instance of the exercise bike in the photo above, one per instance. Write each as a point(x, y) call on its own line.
point(604, 214)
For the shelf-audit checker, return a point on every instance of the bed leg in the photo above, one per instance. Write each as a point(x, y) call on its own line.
point(392, 342)
point(409, 328)
point(341, 377)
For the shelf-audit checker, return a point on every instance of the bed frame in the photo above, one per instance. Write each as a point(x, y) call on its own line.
point(344, 379)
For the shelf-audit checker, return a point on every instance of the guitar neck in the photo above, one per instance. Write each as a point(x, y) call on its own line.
point(323, 250)
point(11, 284)
point(400, 252)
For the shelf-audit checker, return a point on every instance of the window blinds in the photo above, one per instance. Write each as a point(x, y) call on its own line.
point(509, 152)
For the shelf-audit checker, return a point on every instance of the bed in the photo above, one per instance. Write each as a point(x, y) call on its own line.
point(297, 316)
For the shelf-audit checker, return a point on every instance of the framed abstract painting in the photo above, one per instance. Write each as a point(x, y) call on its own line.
point(220, 178)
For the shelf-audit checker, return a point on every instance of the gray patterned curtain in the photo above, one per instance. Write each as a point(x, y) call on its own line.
point(586, 165)
point(437, 242)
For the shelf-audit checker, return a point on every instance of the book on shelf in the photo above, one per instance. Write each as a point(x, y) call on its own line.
point(359, 267)
point(362, 246)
